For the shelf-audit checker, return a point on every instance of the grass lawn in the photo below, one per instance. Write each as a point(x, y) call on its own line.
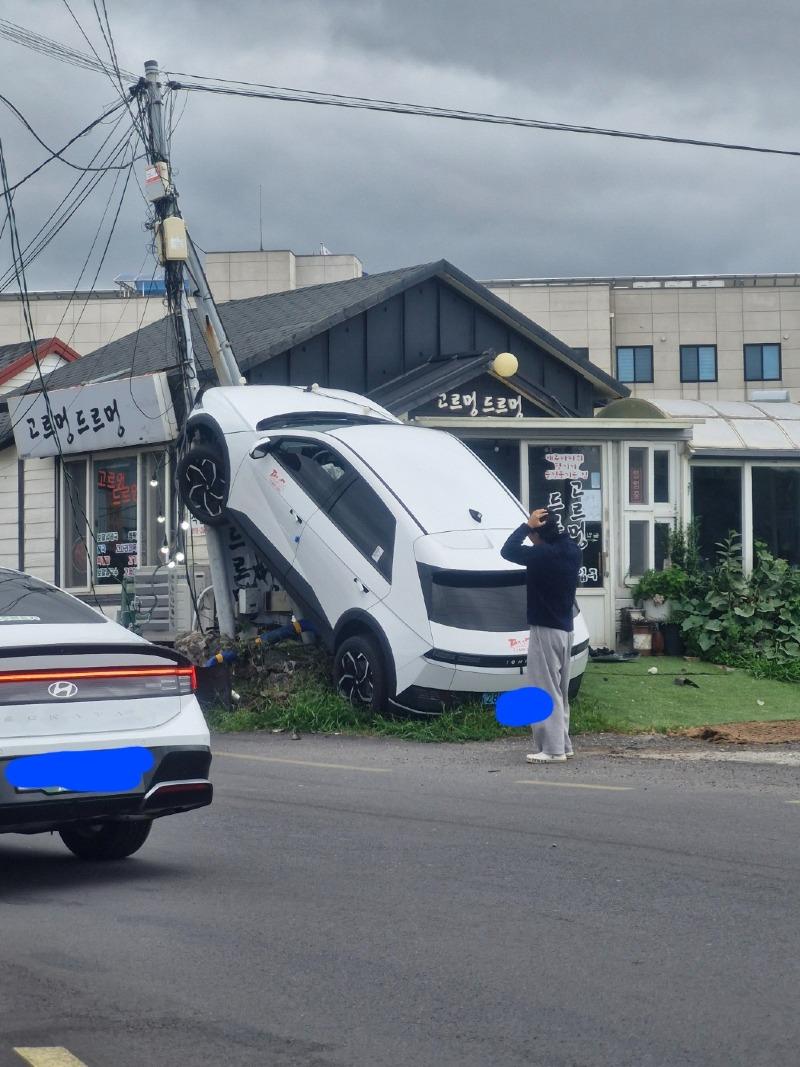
point(615, 697)
point(624, 697)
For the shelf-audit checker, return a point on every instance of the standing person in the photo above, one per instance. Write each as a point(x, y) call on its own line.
point(552, 561)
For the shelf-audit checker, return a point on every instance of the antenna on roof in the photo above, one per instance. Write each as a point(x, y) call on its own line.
point(260, 224)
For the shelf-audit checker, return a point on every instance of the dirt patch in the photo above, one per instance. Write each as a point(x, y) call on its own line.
point(746, 733)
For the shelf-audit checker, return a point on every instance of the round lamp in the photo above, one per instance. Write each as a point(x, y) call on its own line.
point(505, 364)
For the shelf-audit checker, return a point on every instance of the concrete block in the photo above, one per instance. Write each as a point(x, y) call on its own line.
point(760, 299)
point(694, 301)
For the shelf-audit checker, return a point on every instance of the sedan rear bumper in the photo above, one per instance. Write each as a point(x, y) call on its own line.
point(178, 782)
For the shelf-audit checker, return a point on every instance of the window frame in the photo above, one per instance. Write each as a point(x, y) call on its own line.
point(89, 459)
point(762, 345)
point(636, 380)
point(698, 380)
point(321, 501)
point(652, 513)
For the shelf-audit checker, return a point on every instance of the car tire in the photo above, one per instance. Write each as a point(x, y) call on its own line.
point(360, 674)
point(203, 483)
point(105, 841)
point(575, 685)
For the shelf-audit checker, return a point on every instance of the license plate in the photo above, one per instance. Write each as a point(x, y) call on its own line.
point(489, 699)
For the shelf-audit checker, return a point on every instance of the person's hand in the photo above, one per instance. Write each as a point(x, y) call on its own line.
point(538, 518)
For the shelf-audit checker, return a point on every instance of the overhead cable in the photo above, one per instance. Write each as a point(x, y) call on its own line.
point(256, 90)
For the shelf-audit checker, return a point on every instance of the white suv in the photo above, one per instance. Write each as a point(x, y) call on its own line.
point(386, 535)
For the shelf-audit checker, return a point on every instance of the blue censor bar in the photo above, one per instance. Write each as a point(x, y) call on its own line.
point(112, 770)
point(523, 707)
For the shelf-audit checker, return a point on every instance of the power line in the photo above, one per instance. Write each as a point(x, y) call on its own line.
point(309, 96)
point(19, 269)
point(54, 49)
point(56, 153)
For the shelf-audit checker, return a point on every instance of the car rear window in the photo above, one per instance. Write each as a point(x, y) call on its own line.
point(493, 601)
point(27, 601)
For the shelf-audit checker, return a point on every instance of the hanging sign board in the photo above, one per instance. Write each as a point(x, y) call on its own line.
point(93, 418)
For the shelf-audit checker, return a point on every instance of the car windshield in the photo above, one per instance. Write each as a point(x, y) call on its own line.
point(27, 601)
point(493, 601)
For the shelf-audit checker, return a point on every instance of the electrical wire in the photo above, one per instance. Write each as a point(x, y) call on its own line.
point(11, 31)
point(55, 153)
point(28, 318)
point(309, 96)
point(64, 211)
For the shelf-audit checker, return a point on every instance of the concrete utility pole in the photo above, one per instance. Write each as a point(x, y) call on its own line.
point(224, 361)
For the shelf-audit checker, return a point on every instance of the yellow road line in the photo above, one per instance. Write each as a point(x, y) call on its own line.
point(304, 763)
point(49, 1057)
point(575, 785)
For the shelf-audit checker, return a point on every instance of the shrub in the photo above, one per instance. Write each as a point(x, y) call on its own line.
point(724, 614)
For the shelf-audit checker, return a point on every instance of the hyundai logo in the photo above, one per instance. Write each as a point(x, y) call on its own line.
point(62, 690)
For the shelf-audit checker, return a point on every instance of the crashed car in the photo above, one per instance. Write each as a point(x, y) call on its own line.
point(386, 536)
point(100, 730)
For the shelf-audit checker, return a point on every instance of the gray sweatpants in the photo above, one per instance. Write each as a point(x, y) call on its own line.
point(549, 654)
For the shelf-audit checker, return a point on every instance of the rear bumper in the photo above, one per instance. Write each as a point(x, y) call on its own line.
point(178, 782)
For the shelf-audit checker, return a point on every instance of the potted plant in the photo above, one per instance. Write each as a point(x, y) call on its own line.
point(656, 590)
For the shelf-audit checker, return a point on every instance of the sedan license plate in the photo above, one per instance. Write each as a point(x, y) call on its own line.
point(489, 699)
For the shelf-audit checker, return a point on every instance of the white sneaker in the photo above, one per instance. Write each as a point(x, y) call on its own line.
point(570, 755)
point(543, 757)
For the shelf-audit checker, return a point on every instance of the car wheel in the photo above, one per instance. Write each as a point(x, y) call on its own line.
point(203, 484)
point(105, 840)
point(360, 673)
point(575, 685)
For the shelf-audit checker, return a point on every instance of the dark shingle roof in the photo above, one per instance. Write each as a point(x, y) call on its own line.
point(11, 354)
point(260, 327)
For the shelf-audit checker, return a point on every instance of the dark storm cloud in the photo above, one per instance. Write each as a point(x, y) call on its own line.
point(398, 190)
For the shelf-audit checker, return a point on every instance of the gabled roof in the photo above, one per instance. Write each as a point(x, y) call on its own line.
point(17, 357)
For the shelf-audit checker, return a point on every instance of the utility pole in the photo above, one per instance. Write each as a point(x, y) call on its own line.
point(166, 207)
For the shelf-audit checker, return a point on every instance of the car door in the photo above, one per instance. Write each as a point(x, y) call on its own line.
point(347, 548)
point(280, 491)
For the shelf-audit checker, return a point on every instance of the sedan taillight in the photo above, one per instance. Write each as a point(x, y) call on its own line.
point(96, 683)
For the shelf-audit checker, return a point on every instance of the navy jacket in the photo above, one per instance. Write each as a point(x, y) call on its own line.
point(552, 577)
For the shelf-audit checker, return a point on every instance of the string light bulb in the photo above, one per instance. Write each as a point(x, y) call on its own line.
point(164, 550)
point(185, 524)
point(161, 518)
point(154, 483)
point(171, 564)
point(180, 557)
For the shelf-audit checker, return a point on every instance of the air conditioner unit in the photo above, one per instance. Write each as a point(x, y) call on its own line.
point(164, 605)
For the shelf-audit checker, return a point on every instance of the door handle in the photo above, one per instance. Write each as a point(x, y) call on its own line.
point(293, 512)
point(363, 587)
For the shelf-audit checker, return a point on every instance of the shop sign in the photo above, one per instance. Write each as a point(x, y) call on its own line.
point(93, 418)
point(482, 397)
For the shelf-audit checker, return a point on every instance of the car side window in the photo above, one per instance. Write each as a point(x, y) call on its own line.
point(312, 465)
point(365, 520)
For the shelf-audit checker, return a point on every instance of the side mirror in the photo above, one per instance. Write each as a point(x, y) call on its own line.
point(261, 448)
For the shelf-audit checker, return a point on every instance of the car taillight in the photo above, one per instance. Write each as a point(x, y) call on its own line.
point(186, 676)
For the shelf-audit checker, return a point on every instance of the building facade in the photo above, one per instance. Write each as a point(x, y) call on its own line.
point(709, 337)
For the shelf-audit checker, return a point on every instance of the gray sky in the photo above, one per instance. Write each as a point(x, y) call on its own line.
point(398, 190)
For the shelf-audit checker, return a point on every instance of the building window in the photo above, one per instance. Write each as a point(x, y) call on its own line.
point(635, 364)
point(776, 511)
point(569, 482)
point(716, 506)
point(638, 545)
point(638, 463)
point(762, 363)
point(661, 493)
point(698, 363)
point(113, 519)
point(502, 459)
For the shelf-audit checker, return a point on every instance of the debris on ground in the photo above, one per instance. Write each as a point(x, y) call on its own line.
point(652, 670)
point(681, 680)
point(746, 733)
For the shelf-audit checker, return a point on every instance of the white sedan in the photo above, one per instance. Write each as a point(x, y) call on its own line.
point(100, 731)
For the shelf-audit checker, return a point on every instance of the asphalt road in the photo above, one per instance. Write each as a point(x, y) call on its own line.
point(361, 902)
